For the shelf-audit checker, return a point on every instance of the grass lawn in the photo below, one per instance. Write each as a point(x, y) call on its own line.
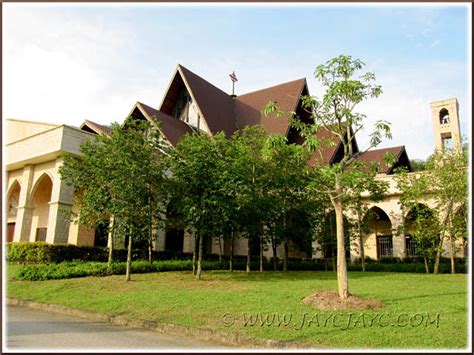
point(408, 318)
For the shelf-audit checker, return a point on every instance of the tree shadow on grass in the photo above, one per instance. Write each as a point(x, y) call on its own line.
point(272, 276)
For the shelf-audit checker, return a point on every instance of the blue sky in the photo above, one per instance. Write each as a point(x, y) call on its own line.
point(68, 63)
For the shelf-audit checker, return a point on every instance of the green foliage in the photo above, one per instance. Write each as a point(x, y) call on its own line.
point(198, 166)
point(121, 175)
point(334, 114)
point(42, 253)
point(39, 252)
point(444, 185)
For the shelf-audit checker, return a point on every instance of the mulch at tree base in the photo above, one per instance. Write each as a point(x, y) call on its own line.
point(329, 300)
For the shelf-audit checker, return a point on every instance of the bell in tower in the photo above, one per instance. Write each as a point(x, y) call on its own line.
point(447, 133)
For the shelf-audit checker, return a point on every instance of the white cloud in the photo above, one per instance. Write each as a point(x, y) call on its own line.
point(58, 67)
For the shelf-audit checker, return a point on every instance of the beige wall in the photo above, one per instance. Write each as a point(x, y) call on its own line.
point(40, 202)
point(19, 129)
point(33, 162)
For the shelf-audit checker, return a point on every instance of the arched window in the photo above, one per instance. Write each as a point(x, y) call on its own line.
point(443, 116)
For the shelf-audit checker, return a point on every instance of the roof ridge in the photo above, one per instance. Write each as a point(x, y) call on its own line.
point(200, 77)
point(375, 150)
point(271, 87)
point(37, 122)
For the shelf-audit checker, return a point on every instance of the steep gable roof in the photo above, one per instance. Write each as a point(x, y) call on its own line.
point(216, 106)
point(377, 156)
point(96, 128)
point(248, 106)
point(171, 128)
point(334, 153)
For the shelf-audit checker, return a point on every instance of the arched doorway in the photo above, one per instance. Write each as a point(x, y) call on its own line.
point(377, 230)
point(41, 197)
point(13, 199)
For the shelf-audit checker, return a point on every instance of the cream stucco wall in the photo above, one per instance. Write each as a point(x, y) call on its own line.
point(19, 129)
point(43, 200)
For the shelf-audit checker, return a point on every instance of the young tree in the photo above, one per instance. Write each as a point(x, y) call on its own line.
point(248, 183)
point(121, 175)
point(335, 113)
point(197, 165)
point(287, 177)
point(444, 184)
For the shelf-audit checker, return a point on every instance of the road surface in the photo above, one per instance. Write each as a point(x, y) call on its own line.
point(34, 329)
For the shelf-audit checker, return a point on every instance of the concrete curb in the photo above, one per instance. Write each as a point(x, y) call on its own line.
point(229, 339)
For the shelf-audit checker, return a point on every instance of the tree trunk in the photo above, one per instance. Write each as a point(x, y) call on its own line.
point(427, 269)
point(195, 252)
point(361, 243)
point(362, 253)
point(231, 257)
point(150, 233)
point(438, 255)
point(453, 261)
point(342, 282)
point(110, 241)
point(129, 258)
point(261, 253)
point(247, 266)
point(285, 256)
point(199, 266)
point(274, 249)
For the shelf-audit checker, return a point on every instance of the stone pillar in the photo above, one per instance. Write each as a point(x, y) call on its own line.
point(25, 209)
point(59, 210)
point(188, 242)
point(160, 239)
point(317, 251)
point(398, 237)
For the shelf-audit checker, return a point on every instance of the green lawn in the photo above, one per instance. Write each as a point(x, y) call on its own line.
point(176, 297)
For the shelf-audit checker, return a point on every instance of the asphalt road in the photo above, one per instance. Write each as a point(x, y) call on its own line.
point(34, 329)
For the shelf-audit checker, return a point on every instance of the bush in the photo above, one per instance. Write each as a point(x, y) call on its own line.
point(39, 252)
point(42, 253)
point(73, 269)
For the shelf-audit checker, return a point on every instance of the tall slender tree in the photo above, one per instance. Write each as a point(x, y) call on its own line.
point(335, 113)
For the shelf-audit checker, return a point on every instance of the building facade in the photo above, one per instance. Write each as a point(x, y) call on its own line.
point(35, 193)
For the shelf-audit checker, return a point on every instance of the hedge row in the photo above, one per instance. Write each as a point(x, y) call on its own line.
point(42, 253)
point(73, 269)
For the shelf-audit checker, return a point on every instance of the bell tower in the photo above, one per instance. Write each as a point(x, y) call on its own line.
point(445, 115)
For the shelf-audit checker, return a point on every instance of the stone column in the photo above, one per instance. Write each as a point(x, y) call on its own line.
point(398, 239)
point(25, 209)
point(59, 210)
point(160, 239)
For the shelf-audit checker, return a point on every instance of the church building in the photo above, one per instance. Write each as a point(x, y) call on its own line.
point(35, 193)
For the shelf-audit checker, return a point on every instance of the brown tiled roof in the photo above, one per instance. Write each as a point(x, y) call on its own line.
point(377, 156)
point(95, 128)
point(327, 153)
point(248, 106)
point(216, 106)
point(172, 128)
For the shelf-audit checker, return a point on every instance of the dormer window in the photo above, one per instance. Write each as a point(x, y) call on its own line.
point(444, 116)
